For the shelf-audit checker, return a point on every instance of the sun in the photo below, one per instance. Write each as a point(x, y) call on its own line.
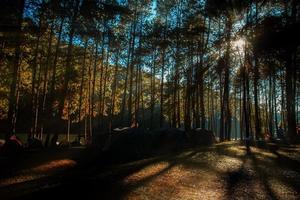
point(239, 44)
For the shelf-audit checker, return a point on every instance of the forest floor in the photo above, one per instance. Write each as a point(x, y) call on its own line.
point(222, 171)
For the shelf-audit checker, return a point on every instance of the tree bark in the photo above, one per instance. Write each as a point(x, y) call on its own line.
point(290, 97)
point(68, 67)
point(18, 9)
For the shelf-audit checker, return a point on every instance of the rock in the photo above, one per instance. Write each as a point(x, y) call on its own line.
point(75, 143)
point(202, 137)
point(64, 144)
point(169, 140)
point(35, 143)
point(127, 144)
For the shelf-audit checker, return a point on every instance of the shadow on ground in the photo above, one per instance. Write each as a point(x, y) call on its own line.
point(223, 171)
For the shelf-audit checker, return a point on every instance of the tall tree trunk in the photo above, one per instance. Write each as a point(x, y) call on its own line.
point(46, 80)
point(94, 85)
point(290, 97)
point(142, 103)
point(271, 130)
point(37, 105)
point(68, 67)
point(256, 86)
point(131, 68)
point(266, 109)
point(187, 115)
point(275, 103)
point(114, 87)
point(235, 114)
point(283, 107)
point(34, 84)
point(161, 118)
point(105, 81)
point(54, 69)
point(138, 82)
point(291, 14)
point(18, 9)
point(153, 80)
point(89, 129)
point(131, 38)
point(202, 109)
point(256, 98)
point(245, 107)
point(241, 112)
point(201, 84)
point(221, 134)
point(100, 124)
point(82, 86)
point(226, 91)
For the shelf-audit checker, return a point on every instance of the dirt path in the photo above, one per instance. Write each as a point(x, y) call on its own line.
point(224, 171)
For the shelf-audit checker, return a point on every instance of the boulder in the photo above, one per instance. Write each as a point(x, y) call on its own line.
point(169, 140)
point(127, 144)
point(202, 137)
point(34, 143)
point(75, 143)
point(64, 144)
point(99, 140)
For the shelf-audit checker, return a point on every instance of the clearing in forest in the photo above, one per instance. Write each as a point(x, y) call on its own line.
point(223, 171)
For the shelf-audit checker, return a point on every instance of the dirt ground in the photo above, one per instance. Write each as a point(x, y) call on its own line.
point(223, 171)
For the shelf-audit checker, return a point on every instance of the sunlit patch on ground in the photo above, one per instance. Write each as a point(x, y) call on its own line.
point(20, 179)
point(236, 150)
point(40, 171)
point(262, 154)
point(54, 165)
point(227, 163)
point(146, 172)
point(282, 190)
point(290, 153)
point(177, 183)
point(224, 172)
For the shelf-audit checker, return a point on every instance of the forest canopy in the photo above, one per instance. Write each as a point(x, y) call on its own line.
point(89, 66)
